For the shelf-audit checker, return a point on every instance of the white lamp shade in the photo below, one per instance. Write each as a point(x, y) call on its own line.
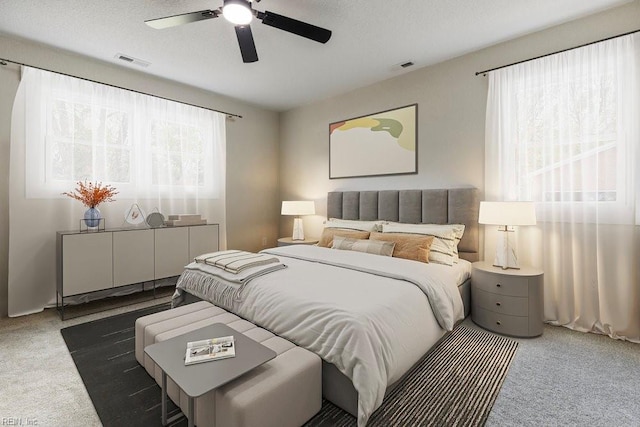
point(298, 208)
point(507, 213)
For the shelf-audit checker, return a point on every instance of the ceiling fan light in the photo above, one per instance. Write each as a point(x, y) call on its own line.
point(237, 12)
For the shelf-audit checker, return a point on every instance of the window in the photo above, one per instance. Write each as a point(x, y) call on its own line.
point(567, 140)
point(87, 140)
point(561, 131)
point(177, 154)
point(142, 145)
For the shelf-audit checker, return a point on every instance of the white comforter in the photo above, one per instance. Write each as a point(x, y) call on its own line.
point(366, 314)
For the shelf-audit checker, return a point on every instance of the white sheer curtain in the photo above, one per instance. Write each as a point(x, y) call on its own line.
point(159, 154)
point(563, 131)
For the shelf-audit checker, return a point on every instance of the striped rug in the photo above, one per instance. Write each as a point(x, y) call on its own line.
point(454, 385)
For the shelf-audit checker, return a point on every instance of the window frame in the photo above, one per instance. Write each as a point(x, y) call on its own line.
point(620, 211)
point(41, 181)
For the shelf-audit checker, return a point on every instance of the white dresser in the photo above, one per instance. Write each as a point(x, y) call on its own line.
point(509, 301)
point(95, 261)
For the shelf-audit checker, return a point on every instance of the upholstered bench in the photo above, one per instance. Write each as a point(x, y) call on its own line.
point(286, 391)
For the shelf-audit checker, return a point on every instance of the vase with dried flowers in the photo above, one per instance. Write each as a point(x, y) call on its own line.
point(91, 195)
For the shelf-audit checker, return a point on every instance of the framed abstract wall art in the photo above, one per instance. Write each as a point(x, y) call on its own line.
point(383, 143)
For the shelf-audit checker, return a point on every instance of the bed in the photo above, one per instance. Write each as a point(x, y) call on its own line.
point(370, 318)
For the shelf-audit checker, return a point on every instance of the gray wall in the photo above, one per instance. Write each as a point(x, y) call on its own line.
point(451, 115)
point(265, 148)
point(252, 144)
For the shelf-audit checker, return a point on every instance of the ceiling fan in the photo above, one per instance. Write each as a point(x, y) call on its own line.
point(241, 13)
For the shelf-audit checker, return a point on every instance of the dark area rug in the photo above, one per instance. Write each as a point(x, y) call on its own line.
point(454, 385)
point(121, 390)
point(108, 303)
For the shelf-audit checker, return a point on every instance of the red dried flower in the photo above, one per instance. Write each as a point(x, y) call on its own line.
point(91, 195)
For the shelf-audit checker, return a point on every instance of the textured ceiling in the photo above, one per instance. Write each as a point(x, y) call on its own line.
point(370, 39)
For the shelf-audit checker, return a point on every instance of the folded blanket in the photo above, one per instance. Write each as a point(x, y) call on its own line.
point(217, 285)
point(234, 261)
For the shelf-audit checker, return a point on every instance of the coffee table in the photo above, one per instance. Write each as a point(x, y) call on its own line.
point(196, 380)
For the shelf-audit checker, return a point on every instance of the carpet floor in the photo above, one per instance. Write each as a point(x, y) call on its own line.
point(455, 384)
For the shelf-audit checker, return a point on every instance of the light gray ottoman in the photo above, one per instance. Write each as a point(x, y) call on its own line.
point(286, 391)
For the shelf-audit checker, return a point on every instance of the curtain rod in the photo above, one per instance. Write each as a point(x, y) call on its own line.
point(4, 61)
point(484, 73)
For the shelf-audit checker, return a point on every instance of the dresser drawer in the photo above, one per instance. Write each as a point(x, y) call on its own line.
point(516, 326)
point(503, 285)
point(503, 304)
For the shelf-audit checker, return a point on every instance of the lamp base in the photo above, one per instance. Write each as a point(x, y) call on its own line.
point(505, 252)
point(298, 231)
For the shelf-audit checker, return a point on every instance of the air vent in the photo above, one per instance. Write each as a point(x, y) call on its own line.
point(132, 60)
point(401, 66)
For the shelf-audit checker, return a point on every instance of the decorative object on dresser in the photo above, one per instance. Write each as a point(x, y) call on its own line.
point(91, 195)
point(383, 143)
point(180, 220)
point(506, 215)
point(134, 215)
point(298, 208)
point(155, 220)
point(509, 302)
point(286, 241)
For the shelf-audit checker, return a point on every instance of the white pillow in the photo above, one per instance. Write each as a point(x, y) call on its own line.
point(353, 224)
point(444, 249)
point(458, 232)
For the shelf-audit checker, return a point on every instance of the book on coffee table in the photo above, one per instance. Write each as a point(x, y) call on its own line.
point(211, 349)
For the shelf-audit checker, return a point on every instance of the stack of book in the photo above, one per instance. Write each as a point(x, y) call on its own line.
point(184, 219)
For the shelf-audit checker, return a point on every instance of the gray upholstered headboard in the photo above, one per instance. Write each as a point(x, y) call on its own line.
point(446, 206)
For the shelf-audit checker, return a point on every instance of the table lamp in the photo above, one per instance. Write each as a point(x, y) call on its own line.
point(506, 215)
point(298, 208)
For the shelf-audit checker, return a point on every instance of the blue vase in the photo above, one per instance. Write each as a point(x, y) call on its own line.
point(92, 217)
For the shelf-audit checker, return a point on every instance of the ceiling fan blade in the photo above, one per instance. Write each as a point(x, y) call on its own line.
point(185, 18)
point(294, 26)
point(247, 46)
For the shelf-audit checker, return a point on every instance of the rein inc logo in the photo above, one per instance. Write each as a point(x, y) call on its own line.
point(16, 421)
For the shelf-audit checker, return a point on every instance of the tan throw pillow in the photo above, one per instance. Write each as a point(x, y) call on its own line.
point(408, 246)
point(376, 247)
point(326, 240)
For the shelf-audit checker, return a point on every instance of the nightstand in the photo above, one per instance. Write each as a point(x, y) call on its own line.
point(287, 241)
point(509, 302)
